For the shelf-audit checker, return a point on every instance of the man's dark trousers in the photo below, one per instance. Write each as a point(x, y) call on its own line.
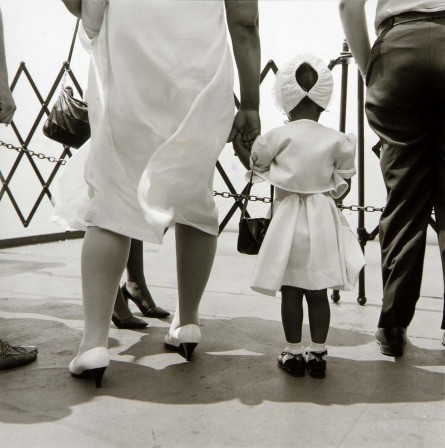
point(405, 105)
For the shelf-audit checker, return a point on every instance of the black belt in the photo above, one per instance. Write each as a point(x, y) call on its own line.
point(406, 17)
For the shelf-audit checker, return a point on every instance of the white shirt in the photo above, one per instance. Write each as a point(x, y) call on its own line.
point(389, 8)
point(305, 157)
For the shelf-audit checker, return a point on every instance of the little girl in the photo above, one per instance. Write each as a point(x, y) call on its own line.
point(309, 246)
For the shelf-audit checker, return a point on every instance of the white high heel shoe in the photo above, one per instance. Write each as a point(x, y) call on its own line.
point(184, 339)
point(91, 363)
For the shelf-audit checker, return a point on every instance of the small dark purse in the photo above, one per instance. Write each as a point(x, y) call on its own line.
point(68, 121)
point(252, 230)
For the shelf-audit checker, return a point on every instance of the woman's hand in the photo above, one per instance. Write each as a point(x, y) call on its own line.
point(247, 123)
point(7, 105)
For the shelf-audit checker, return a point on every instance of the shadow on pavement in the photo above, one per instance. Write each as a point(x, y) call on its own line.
point(235, 361)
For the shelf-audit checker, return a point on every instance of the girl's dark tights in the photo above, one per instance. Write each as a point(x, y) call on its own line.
point(292, 313)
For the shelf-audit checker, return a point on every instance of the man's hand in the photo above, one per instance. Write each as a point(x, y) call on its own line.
point(7, 106)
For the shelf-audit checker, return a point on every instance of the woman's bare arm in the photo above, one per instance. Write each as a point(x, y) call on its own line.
point(242, 20)
point(74, 7)
point(7, 104)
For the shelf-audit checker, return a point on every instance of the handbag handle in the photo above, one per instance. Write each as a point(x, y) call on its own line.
point(70, 53)
point(246, 198)
point(73, 41)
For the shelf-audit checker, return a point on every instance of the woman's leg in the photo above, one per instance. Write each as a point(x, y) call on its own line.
point(121, 306)
point(292, 313)
point(195, 252)
point(136, 282)
point(104, 255)
point(319, 314)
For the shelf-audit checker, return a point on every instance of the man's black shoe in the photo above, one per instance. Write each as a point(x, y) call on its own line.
point(15, 355)
point(391, 340)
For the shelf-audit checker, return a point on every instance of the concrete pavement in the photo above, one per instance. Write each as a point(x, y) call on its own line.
point(232, 394)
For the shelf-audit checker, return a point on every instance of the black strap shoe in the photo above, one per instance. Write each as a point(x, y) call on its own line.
point(292, 364)
point(316, 364)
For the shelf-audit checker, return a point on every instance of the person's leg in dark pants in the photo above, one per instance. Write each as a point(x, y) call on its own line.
point(399, 110)
point(438, 69)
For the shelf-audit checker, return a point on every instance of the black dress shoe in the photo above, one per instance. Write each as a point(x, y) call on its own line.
point(317, 364)
point(147, 311)
point(391, 340)
point(292, 364)
point(129, 323)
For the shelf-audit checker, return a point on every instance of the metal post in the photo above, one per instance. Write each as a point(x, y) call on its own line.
point(344, 60)
point(344, 87)
point(361, 231)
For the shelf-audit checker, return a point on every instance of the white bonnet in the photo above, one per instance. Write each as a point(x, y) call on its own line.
point(288, 93)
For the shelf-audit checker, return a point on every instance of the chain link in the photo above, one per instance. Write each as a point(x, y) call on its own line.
point(240, 197)
point(224, 194)
point(357, 208)
point(39, 155)
point(267, 200)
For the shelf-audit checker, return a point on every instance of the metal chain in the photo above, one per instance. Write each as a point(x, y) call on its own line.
point(224, 194)
point(240, 197)
point(356, 208)
point(39, 155)
point(353, 208)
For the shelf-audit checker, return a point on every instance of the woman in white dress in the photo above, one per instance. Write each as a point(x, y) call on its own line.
point(160, 98)
point(308, 246)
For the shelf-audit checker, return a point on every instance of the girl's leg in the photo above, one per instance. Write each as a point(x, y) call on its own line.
point(319, 317)
point(291, 357)
point(319, 314)
point(195, 252)
point(292, 313)
point(104, 255)
point(135, 273)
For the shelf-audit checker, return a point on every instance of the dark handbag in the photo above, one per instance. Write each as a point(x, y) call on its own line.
point(68, 121)
point(252, 230)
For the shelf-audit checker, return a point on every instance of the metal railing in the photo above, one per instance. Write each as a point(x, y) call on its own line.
point(24, 152)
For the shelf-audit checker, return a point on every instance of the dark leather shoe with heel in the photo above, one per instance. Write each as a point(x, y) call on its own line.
point(129, 323)
point(147, 311)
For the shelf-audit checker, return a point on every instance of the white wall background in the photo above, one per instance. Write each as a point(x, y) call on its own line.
point(39, 33)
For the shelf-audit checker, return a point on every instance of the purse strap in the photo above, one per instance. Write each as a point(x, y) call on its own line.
point(73, 41)
point(246, 198)
point(70, 53)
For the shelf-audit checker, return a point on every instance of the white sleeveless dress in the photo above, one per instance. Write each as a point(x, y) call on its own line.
point(160, 98)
